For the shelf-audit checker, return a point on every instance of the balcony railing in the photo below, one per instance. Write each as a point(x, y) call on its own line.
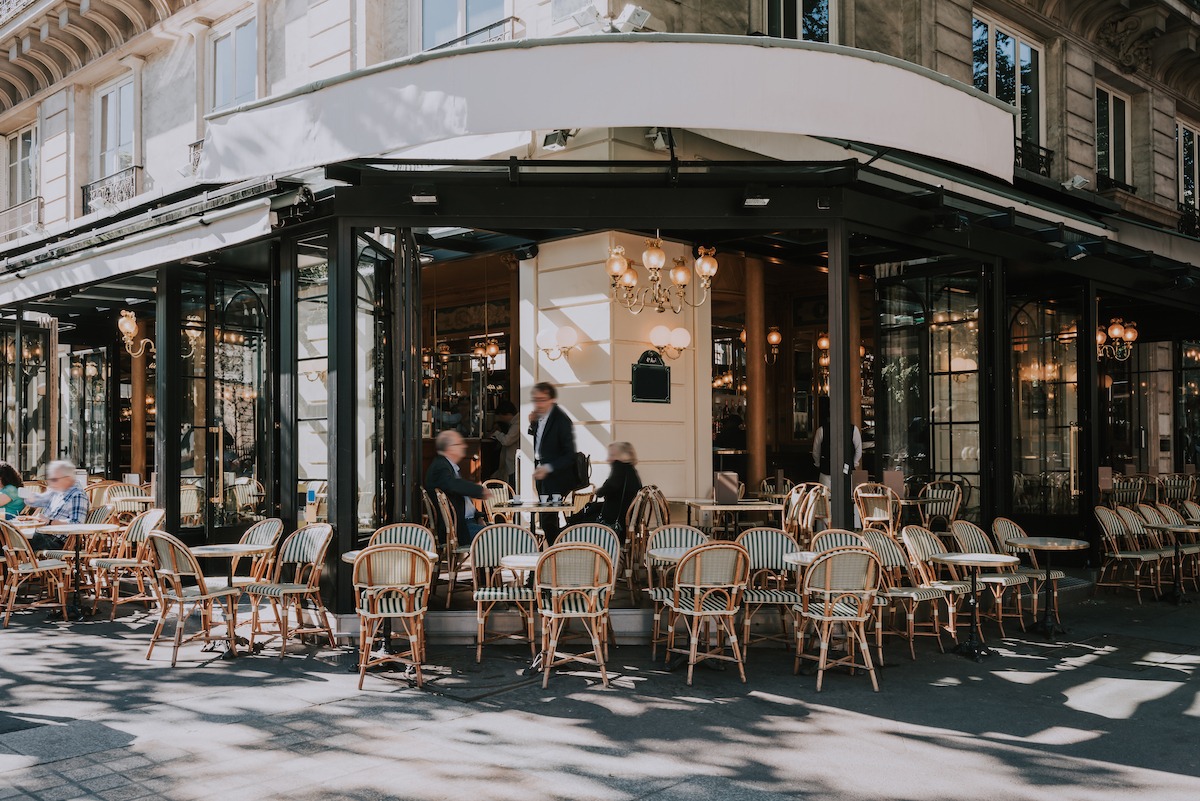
point(1105, 182)
point(1033, 157)
point(23, 218)
point(10, 8)
point(1189, 220)
point(195, 151)
point(108, 192)
point(500, 31)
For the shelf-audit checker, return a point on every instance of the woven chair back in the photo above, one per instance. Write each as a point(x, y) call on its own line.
point(175, 564)
point(770, 485)
point(832, 538)
point(428, 511)
point(890, 554)
point(943, 501)
point(920, 544)
point(190, 498)
point(140, 527)
point(16, 547)
point(405, 534)
point(494, 542)
point(449, 518)
point(596, 534)
point(1191, 509)
point(98, 514)
point(878, 505)
point(659, 511)
point(675, 535)
point(1176, 487)
point(1135, 526)
point(118, 491)
point(575, 565)
point(303, 553)
point(393, 565)
point(264, 532)
point(1127, 490)
point(96, 492)
point(495, 492)
point(1004, 530)
point(971, 538)
point(713, 576)
point(845, 580)
point(766, 547)
point(1149, 512)
point(581, 497)
point(1170, 515)
point(1112, 529)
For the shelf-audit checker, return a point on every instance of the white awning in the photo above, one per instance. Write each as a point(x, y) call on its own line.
point(210, 231)
point(671, 80)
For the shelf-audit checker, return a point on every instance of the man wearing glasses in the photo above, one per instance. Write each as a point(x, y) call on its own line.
point(63, 502)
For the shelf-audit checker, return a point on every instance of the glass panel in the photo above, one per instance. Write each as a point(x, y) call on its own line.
point(1189, 167)
point(373, 321)
point(1006, 68)
point(1188, 407)
point(439, 22)
point(35, 417)
point(1031, 124)
point(246, 63)
point(816, 20)
point(1119, 140)
point(223, 91)
point(83, 401)
point(1103, 154)
point(979, 54)
point(481, 13)
point(312, 369)
point(1045, 343)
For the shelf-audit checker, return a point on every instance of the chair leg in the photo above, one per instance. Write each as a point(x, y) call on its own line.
point(550, 630)
point(694, 628)
point(367, 629)
point(479, 631)
point(823, 634)
point(162, 618)
point(738, 654)
point(179, 618)
point(283, 624)
point(593, 627)
point(866, 652)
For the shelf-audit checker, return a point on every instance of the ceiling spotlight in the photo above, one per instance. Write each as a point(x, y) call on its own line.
point(556, 140)
point(424, 195)
point(1078, 250)
point(631, 18)
point(1077, 182)
point(659, 138)
point(755, 197)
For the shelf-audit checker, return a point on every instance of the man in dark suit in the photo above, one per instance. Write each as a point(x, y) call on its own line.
point(553, 451)
point(444, 474)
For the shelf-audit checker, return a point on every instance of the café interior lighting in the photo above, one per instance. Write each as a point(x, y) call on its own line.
point(1116, 342)
point(670, 342)
point(557, 343)
point(128, 327)
point(623, 276)
point(774, 339)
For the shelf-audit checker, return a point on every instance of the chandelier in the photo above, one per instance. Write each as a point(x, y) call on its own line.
point(1117, 341)
point(624, 278)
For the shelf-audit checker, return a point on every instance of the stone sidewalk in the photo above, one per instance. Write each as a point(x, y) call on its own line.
point(1108, 713)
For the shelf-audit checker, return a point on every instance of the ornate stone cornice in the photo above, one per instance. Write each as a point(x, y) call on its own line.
point(1131, 39)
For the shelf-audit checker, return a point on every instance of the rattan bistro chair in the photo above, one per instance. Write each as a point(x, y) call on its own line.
point(1123, 561)
point(182, 586)
point(942, 502)
point(23, 567)
point(972, 539)
point(490, 545)
point(264, 532)
point(897, 595)
point(771, 580)
point(839, 588)
point(412, 534)
point(878, 506)
point(1005, 530)
point(454, 556)
point(392, 582)
point(657, 571)
point(301, 559)
point(706, 595)
point(575, 581)
point(496, 491)
point(131, 560)
point(832, 538)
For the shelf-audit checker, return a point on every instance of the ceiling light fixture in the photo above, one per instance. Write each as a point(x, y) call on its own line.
point(623, 277)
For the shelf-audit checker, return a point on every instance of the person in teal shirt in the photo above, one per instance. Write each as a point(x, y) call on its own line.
point(10, 500)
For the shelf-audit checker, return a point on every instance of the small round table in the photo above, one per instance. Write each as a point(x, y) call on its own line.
point(1048, 625)
point(800, 558)
point(974, 648)
point(231, 551)
point(76, 531)
point(520, 562)
point(669, 555)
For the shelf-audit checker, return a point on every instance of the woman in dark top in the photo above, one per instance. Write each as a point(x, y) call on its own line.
point(622, 485)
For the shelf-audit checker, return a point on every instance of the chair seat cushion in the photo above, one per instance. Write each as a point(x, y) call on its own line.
point(763, 596)
point(917, 594)
point(277, 590)
point(1136, 556)
point(107, 563)
point(712, 604)
point(840, 610)
point(194, 594)
point(394, 604)
point(1038, 573)
point(43, 566)
point(1005, 579)
point(956, 587)
point(489, 594)
point(573, 605)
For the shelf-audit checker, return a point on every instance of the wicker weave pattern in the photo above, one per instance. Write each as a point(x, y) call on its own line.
point(970, 537)
point(674, 536)
point(500, 540)
point(264, 532)
point(832, 538)
point(596, 534)
point(766, 547)
point(405, 534)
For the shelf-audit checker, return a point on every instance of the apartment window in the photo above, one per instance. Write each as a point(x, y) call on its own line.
point(1009, 67)
point(798, 19)
point(114, 115)
point(1112, 134)
point(22, 166)
point(234, 70)
point(446, 20)
point(1187, 139)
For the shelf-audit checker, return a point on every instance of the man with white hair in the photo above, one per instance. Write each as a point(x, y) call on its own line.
point(64, 502)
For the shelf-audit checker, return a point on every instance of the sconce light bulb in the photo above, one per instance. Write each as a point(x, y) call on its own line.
point(660, 336)
point(616, 264)
point(681, 275)
point(654, 257)
point(680, 338)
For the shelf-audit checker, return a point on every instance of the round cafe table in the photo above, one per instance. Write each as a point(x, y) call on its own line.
point(76, 532)
point(668, 555)
point(973, 647)
point(1048, 625)
point(350, 556)
point(231, 551)
point(520, 562)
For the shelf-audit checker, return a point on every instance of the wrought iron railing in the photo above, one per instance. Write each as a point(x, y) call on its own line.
point(20, 219)
point(195, 151)
point(1189, 220)
point(1033, 157)
point(500, 31)
point(108, 192)
point(1105, 182)
point(10, 8)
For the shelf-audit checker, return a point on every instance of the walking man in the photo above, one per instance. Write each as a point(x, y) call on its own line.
point(553, 451)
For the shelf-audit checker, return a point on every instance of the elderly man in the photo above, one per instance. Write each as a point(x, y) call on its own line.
point(63, 502)
point(444, 474)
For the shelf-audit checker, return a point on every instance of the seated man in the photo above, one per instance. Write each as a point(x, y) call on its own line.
point(444, 474)
point(63, 502)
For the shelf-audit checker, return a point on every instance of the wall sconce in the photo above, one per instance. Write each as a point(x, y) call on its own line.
point(128, 327)
point(774, 338)
point(1117, 341)
point(557, 343)
point(670, 342)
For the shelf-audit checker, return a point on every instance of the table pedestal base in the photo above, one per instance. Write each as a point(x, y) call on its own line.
point(973, 647)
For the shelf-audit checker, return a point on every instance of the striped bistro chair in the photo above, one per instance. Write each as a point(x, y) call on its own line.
point(1190, 510)
point(405, 534)
point(1176, 488)
point(131, 560)
point(769, 486)
point(878, 506)
point(896, 595)
point(575, 581)
point(1123, 562)
point(943, 501)
point(1147, 540)
point(98, 515)
point(124, 512)
point(657, 571)
point(1161, 514)
point(191, 506)
point(812, 515)
point(454, 556)
point(770, 579)
point(1004, 530)
point(920, 545)
point(490, 545)
point(839, 590)
point(1126, 490)
point(392, 582)
point(429, 517)
point(706, 595)
point(182, 586)
point(972, 539)
point(265, 532)
point(832, 538)
point(604, 538)
point(301, 559)
point(244, 499)
point(23, 567)
point(496, 491)
point(96, 491)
